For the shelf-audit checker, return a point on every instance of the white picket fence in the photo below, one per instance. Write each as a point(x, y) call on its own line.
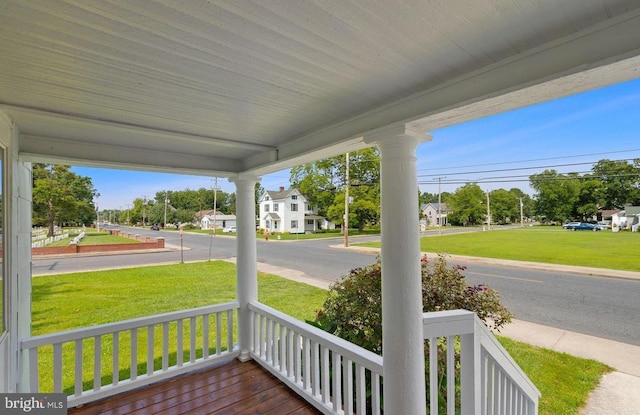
point(40, 241)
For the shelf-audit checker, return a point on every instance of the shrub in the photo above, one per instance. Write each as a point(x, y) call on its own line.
point(353, 308)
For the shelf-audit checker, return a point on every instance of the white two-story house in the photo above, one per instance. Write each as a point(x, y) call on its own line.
point(290, 211)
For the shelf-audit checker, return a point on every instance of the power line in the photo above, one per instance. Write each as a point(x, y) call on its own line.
point(520, 168)
point(539, 159)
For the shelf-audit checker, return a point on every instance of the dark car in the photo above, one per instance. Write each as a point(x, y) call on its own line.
point(580, 226)
point(155, 227)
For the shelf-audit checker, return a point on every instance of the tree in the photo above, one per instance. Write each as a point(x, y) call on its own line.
point(60, 197)
point(323, 183)
point(468, 205)
point(505, 206)
point(620, 182)
point(557, 195)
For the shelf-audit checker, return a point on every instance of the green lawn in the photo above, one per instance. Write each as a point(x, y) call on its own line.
point(545, 244)
point(63, 302)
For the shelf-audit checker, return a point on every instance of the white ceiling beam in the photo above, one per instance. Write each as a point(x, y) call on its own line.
point(41, 149)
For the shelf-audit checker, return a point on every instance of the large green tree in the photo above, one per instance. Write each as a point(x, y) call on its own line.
point(468, 204)
point(61, 197)
point(558, 195)
point(620, 181)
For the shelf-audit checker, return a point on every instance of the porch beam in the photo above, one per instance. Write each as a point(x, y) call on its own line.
point(402, 337)
point(247, 260)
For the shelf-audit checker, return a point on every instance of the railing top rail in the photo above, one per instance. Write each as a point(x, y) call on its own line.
point(345, 348)
point(71, 335)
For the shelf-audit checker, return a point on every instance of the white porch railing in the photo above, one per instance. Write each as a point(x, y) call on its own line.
point(307, 360)
point(190, 339)
point(334, 375)
point(491, 382)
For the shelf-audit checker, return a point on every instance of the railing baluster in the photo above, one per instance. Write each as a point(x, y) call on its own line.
point(78, 368)
point(97, 363)
point(307, 363)
point(325, 374)
point(315, 362)
point(230, 331)
point(290, 353)
point(269, 341)
point(180, 342)
point(451, 375)
point(205, 335)
point(133, 368)
point(165, 346)
point(57, 367)
point(298, 357)
point(375, 393)
point(361, 390)
point(219, 334)
point(282, 363)
point(337, 377)
point(34, 381)
point(115, 368)
point(433, 375)
point(150, 342)
point(347, 370)
point(192, 339)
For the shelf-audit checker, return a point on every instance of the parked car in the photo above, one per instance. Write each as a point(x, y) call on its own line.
point(155, 227)
point(229, 229)
point(580, 226)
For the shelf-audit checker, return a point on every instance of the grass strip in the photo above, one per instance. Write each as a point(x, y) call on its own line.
point(544, 244)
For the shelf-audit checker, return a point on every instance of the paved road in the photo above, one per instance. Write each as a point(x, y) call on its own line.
point(598, 306)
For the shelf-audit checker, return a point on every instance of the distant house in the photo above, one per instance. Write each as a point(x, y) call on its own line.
point(290, 211)
point(435, 214)
point(210, 219)
point(629, 218)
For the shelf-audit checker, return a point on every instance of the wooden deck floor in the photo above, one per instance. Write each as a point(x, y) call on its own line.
point(232, 388)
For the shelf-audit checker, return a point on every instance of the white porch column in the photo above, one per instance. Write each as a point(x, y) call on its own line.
point(247, 260)
point(402, 337)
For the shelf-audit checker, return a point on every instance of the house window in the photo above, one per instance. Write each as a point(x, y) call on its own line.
point(275, 207)
point(294, 224)
point(308, 207)
point(309, 221)
point(266, 208)
point(294, 197)
point(294, 207)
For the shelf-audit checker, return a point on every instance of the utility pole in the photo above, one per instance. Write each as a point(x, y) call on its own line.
point(128, 210)
point(440, 205)
point(521, 214)
point(346, 204)
point(144, 210)
point(166, 201)
point(488, 213)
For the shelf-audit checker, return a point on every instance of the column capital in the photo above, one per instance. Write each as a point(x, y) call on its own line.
point(244, 177)
point(415, 130)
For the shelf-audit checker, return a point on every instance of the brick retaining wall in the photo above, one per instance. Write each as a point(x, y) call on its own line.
point(143, 243)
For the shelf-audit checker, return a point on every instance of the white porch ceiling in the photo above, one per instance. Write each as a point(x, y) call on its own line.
point(221, 87)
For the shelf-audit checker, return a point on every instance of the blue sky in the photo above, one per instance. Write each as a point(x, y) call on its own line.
point(584, 128)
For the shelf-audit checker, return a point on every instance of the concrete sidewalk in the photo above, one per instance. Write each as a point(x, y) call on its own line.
point(618, 392)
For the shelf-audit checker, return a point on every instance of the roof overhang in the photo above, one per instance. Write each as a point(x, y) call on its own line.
point(224, 88)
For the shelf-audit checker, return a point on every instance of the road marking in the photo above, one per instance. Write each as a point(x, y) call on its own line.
point(505, 277)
